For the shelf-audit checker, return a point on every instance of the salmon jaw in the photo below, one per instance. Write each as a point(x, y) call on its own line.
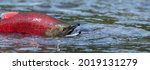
point(7, 15)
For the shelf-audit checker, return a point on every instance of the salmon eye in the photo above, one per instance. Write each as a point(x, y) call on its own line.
point(64, 29)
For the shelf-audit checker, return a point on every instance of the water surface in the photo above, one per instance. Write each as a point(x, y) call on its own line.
point(106, 25)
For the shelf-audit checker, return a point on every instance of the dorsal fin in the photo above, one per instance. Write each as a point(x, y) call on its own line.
point(6, 15)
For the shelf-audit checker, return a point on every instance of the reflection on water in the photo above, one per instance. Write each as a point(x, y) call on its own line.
point(106, 25)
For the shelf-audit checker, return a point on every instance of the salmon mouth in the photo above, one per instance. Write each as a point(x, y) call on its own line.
point(70, 29)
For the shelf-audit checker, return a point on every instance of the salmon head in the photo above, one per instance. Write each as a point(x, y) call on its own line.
point(60, 29)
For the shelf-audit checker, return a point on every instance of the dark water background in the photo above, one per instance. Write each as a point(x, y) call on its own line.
point(106, 25)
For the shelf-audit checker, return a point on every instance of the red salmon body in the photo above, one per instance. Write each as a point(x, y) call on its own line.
point(28, 22)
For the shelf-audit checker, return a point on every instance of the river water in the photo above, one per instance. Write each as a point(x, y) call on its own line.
point(106, 26)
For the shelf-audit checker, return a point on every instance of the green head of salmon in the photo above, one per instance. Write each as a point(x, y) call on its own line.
point(60, 29)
